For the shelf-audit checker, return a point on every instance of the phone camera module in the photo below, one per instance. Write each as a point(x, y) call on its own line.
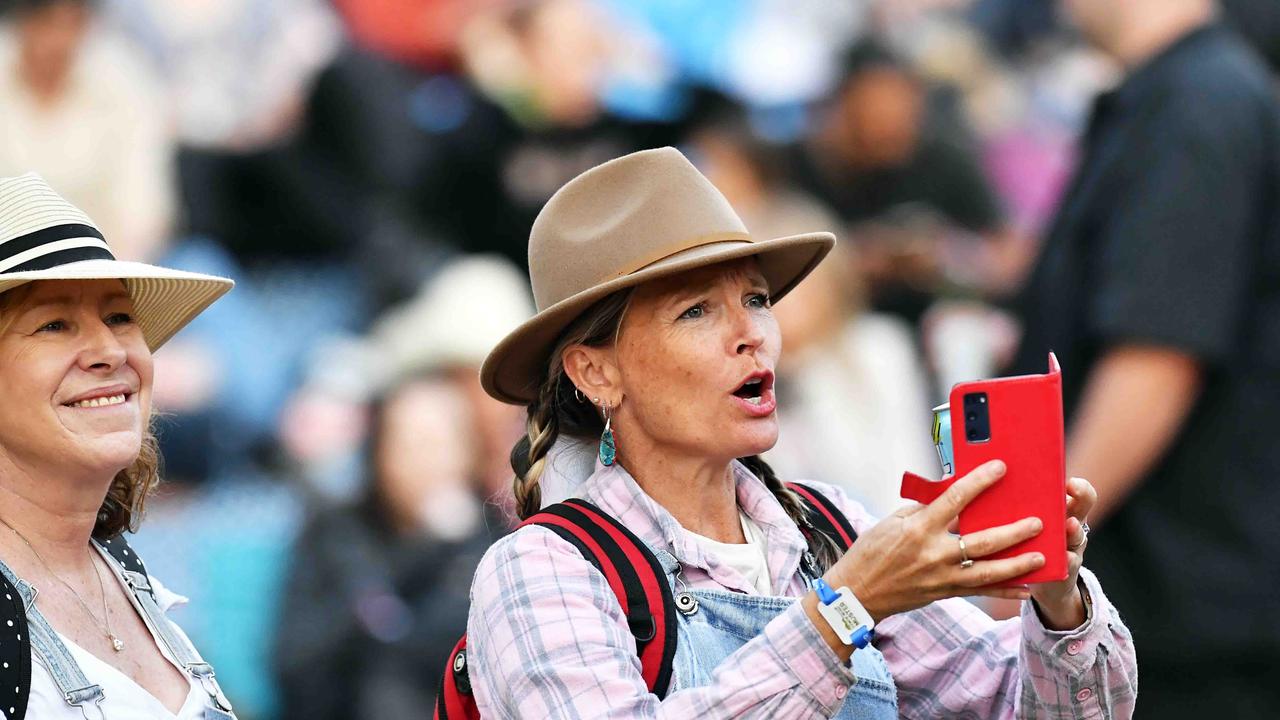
point(977, 418)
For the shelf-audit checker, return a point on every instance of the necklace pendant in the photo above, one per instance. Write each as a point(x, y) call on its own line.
point(116, 644)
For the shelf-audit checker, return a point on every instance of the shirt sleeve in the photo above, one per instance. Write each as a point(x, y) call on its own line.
point(950, 659)
point(1174, 256)
point(547, 639)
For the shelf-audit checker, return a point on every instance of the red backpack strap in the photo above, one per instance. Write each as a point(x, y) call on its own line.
point(825, 517)
point(453, 695)
point(634, 575)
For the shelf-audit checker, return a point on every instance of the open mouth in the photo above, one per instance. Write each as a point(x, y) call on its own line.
point(105, 401)
point(753, 389)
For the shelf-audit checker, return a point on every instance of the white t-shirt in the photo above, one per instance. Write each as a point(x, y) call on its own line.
point(124, 699)
point(750, 559)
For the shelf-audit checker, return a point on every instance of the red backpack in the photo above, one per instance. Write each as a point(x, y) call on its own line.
point(637, 580)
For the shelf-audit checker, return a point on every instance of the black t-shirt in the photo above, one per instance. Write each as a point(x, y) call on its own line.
point(1170, 236)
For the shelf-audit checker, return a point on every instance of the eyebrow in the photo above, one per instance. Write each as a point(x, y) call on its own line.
point(65, 300)
point(689, 291)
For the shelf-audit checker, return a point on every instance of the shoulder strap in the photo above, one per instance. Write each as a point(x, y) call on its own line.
point(15, 657)
point(118, 548)
point(183, 652)
point(15, 651)
point(634, 575)
point(824, 516)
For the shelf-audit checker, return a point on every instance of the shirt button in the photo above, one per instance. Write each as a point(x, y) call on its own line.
point(1084, 694)
point(1073, 647)
point(841, 691)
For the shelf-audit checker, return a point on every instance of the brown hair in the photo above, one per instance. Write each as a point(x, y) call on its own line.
point(557, 411)
point(125, 503)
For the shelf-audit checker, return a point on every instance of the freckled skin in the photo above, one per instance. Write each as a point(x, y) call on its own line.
point(686, 343)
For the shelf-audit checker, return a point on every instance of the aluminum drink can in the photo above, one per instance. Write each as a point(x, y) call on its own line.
point(942, 438)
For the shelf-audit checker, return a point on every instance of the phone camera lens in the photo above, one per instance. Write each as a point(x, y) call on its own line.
point(971, 417)
point(973, 434)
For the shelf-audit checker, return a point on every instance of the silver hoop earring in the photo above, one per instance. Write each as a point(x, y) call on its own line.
point(577, 393)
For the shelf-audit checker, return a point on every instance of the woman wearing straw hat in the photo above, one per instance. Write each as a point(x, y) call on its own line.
point(655, 342)
point(86, 633)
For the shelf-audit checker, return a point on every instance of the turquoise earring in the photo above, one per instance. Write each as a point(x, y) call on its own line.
point(608, 448)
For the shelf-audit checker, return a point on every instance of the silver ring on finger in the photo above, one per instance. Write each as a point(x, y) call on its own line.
point(965, 562)
point(1084, 537)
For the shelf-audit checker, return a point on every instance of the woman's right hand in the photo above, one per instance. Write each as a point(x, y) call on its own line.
point(910, 559)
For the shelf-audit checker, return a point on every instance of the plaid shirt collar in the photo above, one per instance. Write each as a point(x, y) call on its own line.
point(616, 492)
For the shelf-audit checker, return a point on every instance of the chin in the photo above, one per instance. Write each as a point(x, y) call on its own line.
point(756, 442)
point(112, 454)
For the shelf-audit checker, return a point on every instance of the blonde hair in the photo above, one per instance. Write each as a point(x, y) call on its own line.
point(125, 503)
point(557, 411)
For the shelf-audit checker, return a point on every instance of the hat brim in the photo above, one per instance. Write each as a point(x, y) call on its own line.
point(164, 300)
point(513, 370)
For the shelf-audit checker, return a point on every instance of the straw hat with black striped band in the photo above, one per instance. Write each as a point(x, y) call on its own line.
point(637, 218)
point(44, 237)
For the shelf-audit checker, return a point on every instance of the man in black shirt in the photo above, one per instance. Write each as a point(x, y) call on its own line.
point(1159, 289)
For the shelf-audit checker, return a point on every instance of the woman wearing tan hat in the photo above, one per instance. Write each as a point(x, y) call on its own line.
point(84, 633)
point(655, 343)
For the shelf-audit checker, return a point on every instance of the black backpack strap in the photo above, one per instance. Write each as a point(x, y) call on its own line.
point(824, 516)
point(15, 652)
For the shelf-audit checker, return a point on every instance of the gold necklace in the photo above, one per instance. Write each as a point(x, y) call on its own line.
point(116, 643)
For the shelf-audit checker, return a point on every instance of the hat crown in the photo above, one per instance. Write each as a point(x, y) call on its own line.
point(39, 229)
point(622, 216)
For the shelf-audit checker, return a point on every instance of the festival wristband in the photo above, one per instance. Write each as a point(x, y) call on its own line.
point(848, 619)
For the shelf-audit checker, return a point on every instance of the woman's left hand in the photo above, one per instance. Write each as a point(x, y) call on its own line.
point(1061, 603)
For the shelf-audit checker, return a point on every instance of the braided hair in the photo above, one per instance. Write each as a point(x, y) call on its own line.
point(822, 546)
point(557, 411)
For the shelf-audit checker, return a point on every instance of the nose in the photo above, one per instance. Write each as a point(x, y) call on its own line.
point(748, 333)
point(101, 349)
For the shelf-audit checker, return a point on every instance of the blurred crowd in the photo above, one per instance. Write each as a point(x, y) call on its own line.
point(368, 170)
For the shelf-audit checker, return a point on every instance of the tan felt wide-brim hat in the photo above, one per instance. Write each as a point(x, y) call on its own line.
point(641, 217)
point(44, 237)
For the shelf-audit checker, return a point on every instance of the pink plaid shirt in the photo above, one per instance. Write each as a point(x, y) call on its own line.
point(548, 640)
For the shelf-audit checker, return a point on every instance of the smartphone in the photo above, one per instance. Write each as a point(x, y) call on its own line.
point(1017, 420)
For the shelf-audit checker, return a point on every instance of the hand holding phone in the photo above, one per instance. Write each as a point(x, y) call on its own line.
point(1017, 420)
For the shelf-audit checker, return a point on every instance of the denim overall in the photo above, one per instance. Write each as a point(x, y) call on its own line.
point(715, 623)
point(66, 673)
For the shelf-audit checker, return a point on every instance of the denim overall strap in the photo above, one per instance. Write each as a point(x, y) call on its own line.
point(54, 655)
point(715, 623)
point(180, 649)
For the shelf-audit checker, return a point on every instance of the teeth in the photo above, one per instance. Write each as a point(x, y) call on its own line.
point(99, 402)
point(754, 400)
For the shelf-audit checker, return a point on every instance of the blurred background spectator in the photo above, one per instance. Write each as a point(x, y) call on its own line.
point(1159, 287)
point(71, 91)
point(378, 590)
point(368, 170)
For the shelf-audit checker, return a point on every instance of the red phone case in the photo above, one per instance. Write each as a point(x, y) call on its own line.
point(1027, 434)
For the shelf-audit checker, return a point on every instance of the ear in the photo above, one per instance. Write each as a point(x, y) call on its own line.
point(593, 371)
